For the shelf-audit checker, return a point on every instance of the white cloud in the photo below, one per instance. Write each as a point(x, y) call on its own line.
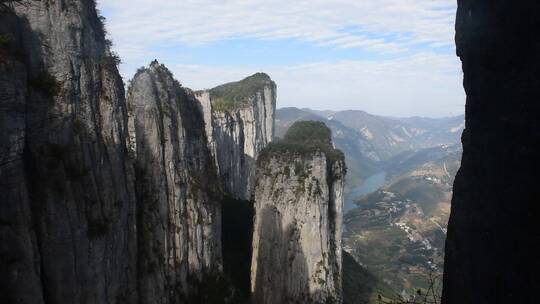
point(423, 84)
point(145, 23)
point(416, 83)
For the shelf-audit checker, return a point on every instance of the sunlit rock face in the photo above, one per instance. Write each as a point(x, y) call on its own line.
point(67, 201)
point(298, 218)
point(178, 198)
point(239, 120)
point(491, 254)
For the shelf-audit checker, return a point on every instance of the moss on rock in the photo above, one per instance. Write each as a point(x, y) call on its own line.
point(235, 95)
point(302, 139)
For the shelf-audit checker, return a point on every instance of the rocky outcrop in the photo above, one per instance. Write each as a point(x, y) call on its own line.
point(239, 120)
point(298, 216)
point(67, 203)
point(178, 197)
point(493, 234)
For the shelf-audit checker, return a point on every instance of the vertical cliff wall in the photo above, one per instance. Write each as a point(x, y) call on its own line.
point(67, 206)
point(239, 120)
point(298, 216)
point(178, 197)
point(493, 234)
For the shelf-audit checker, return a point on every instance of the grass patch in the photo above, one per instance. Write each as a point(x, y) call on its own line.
point(304, 138)
point(235, 95)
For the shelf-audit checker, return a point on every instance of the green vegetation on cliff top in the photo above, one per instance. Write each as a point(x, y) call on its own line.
point(235, 95)
point(304, 138)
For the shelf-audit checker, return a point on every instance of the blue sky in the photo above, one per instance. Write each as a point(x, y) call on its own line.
point(387, 57)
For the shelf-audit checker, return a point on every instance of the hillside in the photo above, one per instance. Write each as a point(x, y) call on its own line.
point(398, 189)
point(375, 144)
point(389, 136)
point(359, 164)
point(399, 231)
point(360, 286)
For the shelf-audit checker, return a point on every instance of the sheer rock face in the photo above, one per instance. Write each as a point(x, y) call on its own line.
point(239, 130)
point(179, 215)
point(491, 254)
point(297, 230)
point(67, 204)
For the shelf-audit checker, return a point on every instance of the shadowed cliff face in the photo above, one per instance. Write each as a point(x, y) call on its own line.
point(282, 275)
point(178, 200)
point(89, 212)
point(493, 234)
point(67, 217)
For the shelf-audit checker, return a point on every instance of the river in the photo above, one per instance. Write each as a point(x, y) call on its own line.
point(371, 184)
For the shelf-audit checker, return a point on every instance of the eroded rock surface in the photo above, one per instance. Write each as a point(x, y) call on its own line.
point(240, 122)
point(298, 218)
point(178, 197)
point(67, 201)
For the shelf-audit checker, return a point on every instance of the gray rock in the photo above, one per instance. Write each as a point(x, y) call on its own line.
point(297, 228)
point(178, 193)
point(67, 211)
point(240, 120)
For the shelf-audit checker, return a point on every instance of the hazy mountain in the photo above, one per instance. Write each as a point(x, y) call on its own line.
point(390, 136)
point(399, 186)
point(353, 144)
point(410, 160)
point(375, 143)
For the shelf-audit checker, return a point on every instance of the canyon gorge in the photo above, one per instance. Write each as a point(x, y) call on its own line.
point(147, 191)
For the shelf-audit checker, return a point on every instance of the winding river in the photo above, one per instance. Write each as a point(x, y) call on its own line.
point(371, 184)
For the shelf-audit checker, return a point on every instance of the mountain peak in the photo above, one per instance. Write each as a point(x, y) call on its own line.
point(305, 138)
point(237, 94)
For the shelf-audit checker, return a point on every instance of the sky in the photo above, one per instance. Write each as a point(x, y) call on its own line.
point(386, 57)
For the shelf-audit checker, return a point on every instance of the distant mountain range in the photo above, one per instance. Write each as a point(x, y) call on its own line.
point(399, 186)
point(378, 137)
point(374, 143)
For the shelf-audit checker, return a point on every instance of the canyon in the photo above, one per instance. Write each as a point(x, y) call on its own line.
point(107, 198)
point(177, 190)
point(239, 119)
point(169, 195)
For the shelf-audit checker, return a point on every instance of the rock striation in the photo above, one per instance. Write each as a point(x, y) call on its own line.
point(67, 201)
point(178, 194)
point(298, 217)
point(240, 118)
point(101, 201)
point(493, 234)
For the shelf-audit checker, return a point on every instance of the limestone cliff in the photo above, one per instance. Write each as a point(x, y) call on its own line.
point(178, 198)
point(297, 227)
point(67, 204)
point(239, 120)
point(493, 234)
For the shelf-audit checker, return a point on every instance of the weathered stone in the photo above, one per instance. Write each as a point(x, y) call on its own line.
point(493, 234)
point(67, 199)
point(297, 227)
point(240, 120)
point(178, 198)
